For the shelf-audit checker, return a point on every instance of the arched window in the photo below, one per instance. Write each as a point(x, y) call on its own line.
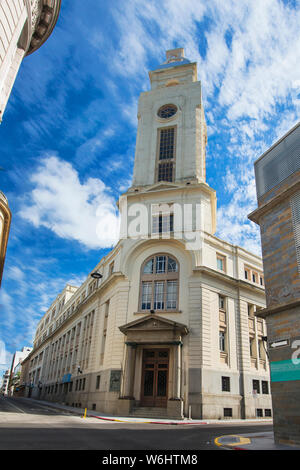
point(159, 283)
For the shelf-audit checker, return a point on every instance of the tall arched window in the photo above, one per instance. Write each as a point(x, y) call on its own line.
point(159, 283)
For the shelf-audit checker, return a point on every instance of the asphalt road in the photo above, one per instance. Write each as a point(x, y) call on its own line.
point(28, 425)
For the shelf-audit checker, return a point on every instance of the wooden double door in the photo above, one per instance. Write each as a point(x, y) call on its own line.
point(155, 374)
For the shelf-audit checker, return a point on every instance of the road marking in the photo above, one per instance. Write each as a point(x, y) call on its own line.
point(232, 440)
point(22, 411)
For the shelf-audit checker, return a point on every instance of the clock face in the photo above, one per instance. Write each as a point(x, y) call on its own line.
point(167, 111)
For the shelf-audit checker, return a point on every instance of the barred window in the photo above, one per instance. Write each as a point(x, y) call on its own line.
point(167, 143)
point(166, 154)
point(165, 171)
point(225, 384)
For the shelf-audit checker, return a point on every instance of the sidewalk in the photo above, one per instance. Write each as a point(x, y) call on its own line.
point(132, 419)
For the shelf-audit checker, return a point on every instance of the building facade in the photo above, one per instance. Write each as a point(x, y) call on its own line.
point(169, 329)
point(5, 221)
point(277, 174)
point(5, 382)
point(24, 26)
point(15, 369)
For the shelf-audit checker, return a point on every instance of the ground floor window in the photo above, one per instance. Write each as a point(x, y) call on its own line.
point(227, 412)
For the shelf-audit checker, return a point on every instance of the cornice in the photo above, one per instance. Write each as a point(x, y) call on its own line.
point(239, 283)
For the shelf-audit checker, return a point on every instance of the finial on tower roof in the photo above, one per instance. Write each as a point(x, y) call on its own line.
point(175, 55)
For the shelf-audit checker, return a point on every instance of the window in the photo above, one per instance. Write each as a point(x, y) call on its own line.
point(253, 276)
point(167, 143)
point(111, 268)
point(221, 302)
point(159, 284)
point(268, 412)
point(98, 382)
point(259, 413)
point(70, 386)
point(166, 154)
point(163, 223)
point(265, 387)
point(165, 172)
point(256, 386)
point(225, 384)
point(221, 262)
point(167, 111)
point(222, 341)
point(227, 412)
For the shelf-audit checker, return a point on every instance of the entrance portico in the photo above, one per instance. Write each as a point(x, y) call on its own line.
point(152, 375)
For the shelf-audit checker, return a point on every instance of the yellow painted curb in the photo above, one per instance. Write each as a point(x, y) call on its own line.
point(242, 441)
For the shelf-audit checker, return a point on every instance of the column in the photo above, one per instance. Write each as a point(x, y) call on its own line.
point(129, 370)
point(177, 371)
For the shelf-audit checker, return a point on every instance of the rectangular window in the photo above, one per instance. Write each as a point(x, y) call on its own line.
point(222, 340)
point(265, 387)
point(259, 412)
point(171, 295)
point(221, 262)
point(256, 386)
point(221, 302)
point(162, 223)
point(98, 382)
point(160, 264)
point(70, 386)
point(83, 384)
point(146, 295)
point(111, 268)
point(225, 384)
point(268, 412)
point(159, 295)
point(227, 412)
point(165, 171)
point(166, 143)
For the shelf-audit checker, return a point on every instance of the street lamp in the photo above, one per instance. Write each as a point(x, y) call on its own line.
point(96, 275)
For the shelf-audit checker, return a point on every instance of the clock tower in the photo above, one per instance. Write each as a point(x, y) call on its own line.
point(169, 166)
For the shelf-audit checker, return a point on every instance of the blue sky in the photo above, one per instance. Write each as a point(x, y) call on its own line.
point(68, 132)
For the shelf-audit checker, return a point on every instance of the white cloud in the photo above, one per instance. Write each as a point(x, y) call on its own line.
point(72, 210)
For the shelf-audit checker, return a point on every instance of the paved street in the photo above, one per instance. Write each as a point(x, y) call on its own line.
point(26, 424)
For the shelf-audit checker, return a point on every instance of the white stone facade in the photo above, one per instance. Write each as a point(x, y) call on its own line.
point(5, 220)
point(24, 26)
point(167, 341)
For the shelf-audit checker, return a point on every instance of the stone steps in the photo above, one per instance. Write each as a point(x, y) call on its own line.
point(152, 412)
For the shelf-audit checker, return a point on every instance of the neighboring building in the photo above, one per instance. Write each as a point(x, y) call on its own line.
point(24, 26)
point(5, 220)
point(170, 328)
point(15, 369)
point(5, 381)
point(277, 174)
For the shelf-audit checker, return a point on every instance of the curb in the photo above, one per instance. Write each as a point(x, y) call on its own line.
point(146, 422)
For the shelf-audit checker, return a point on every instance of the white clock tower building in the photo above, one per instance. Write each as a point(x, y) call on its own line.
point(170, 325)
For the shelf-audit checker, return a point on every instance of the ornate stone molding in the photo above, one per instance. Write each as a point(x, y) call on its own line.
point(44, 15)
point(36, 8)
